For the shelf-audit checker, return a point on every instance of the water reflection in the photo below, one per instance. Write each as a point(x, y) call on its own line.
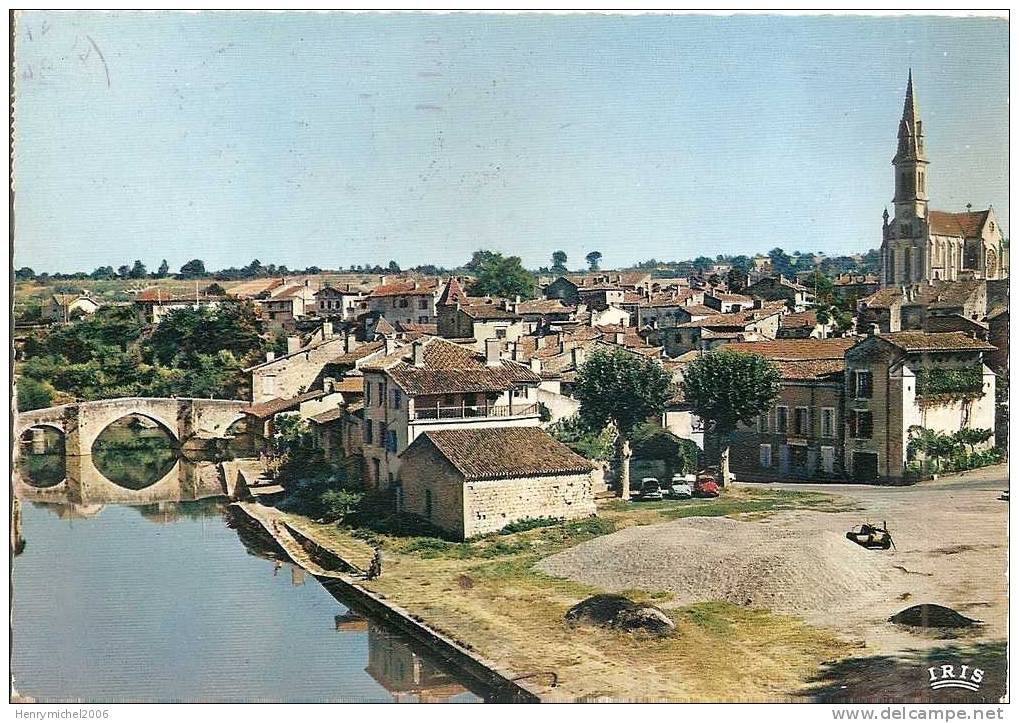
point(160, 603)
point(134, 453)
point(41, 457)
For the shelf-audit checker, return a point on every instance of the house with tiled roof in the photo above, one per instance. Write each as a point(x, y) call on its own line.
point(803, 325)
point(340, 302)
point(478, 320)
point(781, 288)
point(154, 303)
point(922, 244)
point(802, 435)
point(433, 383)
point(471, 481)
point(407, 300)
point(287, 304)
point(726, 303)
point(904, 380)
point(63, 308)
point(713, 330)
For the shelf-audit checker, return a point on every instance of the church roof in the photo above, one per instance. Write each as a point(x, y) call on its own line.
point(963, 225)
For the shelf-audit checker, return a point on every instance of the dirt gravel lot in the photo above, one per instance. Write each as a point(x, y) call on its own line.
point(950, 549)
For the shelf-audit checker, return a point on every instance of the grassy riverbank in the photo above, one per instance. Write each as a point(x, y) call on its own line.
point(487, 595)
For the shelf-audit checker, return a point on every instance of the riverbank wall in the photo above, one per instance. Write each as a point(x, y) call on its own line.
point(340, 577)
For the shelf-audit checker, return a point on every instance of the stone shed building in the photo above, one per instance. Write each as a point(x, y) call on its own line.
point(471, 482)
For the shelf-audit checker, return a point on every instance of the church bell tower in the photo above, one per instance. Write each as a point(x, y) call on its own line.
point(910, 168)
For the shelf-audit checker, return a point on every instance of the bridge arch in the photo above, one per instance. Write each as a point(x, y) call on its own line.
point(94, 418)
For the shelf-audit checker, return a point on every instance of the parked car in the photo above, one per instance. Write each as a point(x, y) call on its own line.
point(650, 489)
point(705, 485)
point(679, 490)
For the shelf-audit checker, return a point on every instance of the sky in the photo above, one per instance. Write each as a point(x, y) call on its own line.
point(333, 139)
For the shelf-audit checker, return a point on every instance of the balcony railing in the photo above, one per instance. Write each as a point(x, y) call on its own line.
point(466, 411)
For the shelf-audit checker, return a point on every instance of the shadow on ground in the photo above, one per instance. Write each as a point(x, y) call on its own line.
point(903, 677)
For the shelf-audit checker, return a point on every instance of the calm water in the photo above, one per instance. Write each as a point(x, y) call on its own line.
point(167, 603)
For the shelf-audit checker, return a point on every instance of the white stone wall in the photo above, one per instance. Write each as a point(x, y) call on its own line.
point(490, 505)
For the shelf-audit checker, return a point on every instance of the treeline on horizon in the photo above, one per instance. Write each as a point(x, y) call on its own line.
point(781, 263)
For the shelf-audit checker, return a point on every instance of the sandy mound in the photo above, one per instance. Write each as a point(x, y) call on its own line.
point(808, 572)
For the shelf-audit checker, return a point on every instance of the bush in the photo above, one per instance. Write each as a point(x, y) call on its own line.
point(33, 394)
point(528, 523)
point(590, 443)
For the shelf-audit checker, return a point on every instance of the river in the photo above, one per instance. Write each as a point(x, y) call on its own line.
point(166, 602)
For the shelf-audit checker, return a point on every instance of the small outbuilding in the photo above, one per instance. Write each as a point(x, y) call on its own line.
point(471, 482)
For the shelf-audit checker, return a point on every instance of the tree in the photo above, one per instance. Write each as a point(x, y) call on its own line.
point(498, 275)
point(559, 263)
point(728, 388)
point(593, 260)
point(138, 271)
point(702, 264)
point(393, 267)
point(193, 269)
point(34, 394)
point(124, 271)
point(621, 389)
point(103, 273)
point(164, 270)
point(24, 274)
point(214, 289)
point(781, 262)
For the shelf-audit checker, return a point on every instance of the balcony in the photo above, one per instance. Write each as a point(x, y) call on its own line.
point(466, 411)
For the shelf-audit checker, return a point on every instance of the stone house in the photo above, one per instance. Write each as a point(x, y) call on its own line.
point(802, 435)
point(803, 325)
point(409, 302)
point(433, 383)
point(728, 303)
point(471, 482)
point(855, 286)
point(480, 322)
point(670, 309)
point(882, 309)
point(544, 312)
point(779, 288)
point(563, 289)
point(896, 381)
point(715, 330)
point(340, 303)
point(154, 304)
point(287, 304)
point(598, 297)
point(997, 323)
point(62, 308)
point(297, 371)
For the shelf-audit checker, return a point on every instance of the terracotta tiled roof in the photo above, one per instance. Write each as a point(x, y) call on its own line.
point(796, 349)
point(350, 385)
point(382, 326)
point(488, 311)
point(947, 294)
point(700, 310)
point(965, 225)
point(358, 353)
point(325, 417)
point(449, 368)
point(799, 320)
point(502, 453)
point(739, 319)
point(916, 341)
point(264, 410)
point(407, 288)
point(811, 369)
point(883, 298)
point(544, 306)
point(452, 293)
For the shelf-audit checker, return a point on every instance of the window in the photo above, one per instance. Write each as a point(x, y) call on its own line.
point(391, 440)
point(382, 394)
point(864, 386)
point(862, 425)
point(394, 302)
point(367, 394)
point(763, 423)
point(423, 304)
point(397, 398)
point(827, 421)
point(828, 460)
point(782, 420)
point(500, 333)
point(269, 386)
point(368, 432)
point(801, 421)
point(766, 455)
point(422, 319)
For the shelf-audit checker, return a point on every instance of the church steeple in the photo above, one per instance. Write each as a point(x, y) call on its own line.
point(910, 161)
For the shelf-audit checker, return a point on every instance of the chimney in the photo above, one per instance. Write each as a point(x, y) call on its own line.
point(348, 342)
point(492, 352)
point(758, 302)
point(327, 329)
point(874, 330)
point(382, 280)
point(539, 341)
point(293, 344)
point(618, 338)
point(270, 356)
point(535, 365)
point(389, 345)
point(517, 354)
point(418, 348)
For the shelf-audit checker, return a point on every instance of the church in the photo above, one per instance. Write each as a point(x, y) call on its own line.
point(920, 245)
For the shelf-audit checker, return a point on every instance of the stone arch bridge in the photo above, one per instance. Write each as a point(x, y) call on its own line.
point(185, 419)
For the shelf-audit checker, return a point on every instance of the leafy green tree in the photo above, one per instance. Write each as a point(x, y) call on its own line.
point(24, 274)
point(124, 271)
point(621, 389)
point(393, 267)
point(591, 443)
point(193, 269)
point(781, 262)
point(728, 388)
point(498, 275)
point(34, 394)
point(559, 263)
point(702, 264)
point(164, 270)
point(972, 437)
point(138, 271)
point(593, 260)
point(214, 289)
point(103, 273)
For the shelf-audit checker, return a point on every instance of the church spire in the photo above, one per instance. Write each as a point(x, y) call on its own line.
point(910, 164)
point(910, 112)
point(910, 128)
